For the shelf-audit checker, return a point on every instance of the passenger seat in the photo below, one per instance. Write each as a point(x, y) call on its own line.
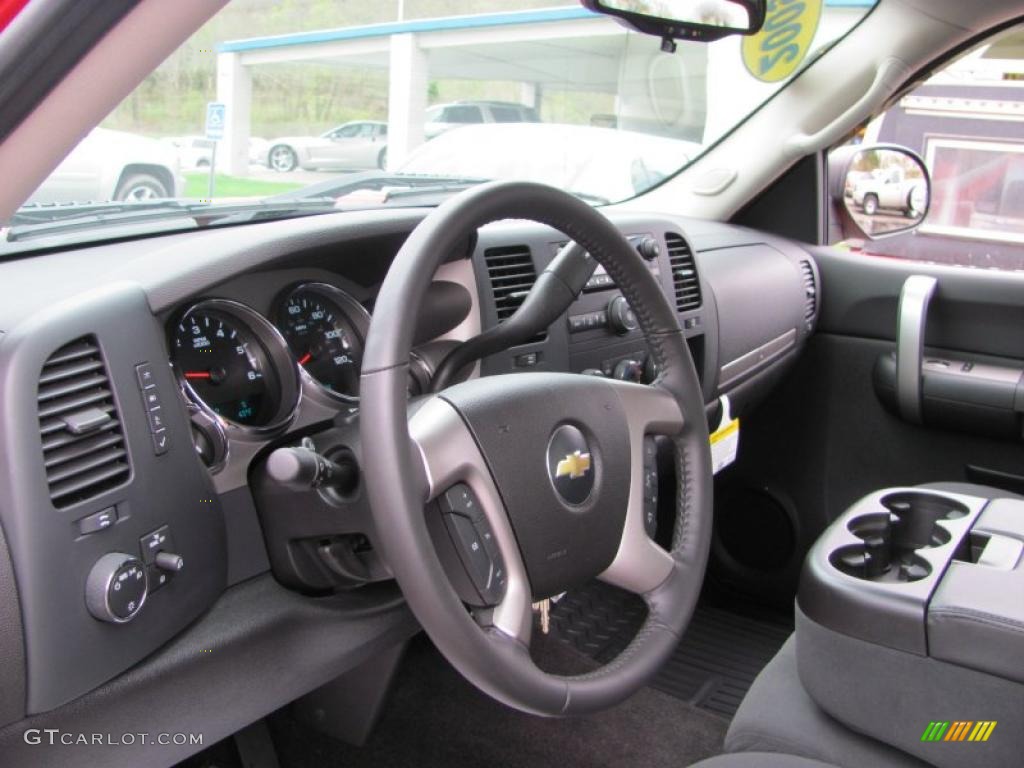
point(777, 715)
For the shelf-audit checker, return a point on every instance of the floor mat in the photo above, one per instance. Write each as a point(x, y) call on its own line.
point(437, 719)
point(716, 661)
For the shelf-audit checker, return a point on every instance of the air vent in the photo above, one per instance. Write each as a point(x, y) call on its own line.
point(512, 274)
point(684, 273)
point(84, 451)
point(810, 290)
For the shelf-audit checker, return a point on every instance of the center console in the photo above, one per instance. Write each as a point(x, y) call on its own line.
point(910, 623)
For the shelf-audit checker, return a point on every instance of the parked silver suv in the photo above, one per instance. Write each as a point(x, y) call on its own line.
point(441, 117)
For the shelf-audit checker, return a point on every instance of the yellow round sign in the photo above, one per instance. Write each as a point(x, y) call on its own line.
point(774, 53)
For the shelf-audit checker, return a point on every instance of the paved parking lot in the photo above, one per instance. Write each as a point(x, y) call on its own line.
point(263, 173)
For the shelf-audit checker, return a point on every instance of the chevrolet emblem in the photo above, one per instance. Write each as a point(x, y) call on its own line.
point(575, 465)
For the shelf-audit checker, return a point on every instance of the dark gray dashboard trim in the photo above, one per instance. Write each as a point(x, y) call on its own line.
point(222, 254)
point(257, 648)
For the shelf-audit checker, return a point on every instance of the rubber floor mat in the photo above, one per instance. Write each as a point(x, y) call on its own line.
point(716, 661)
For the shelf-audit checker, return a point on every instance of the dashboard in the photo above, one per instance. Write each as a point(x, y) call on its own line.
point(146, 383)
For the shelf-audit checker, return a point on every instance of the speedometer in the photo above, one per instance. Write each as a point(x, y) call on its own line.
point(325, 329)
point(235, 363)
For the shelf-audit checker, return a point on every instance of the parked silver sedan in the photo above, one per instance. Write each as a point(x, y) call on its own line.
point(355, 146)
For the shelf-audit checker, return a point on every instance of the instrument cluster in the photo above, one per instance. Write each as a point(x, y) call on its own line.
point(248, 370)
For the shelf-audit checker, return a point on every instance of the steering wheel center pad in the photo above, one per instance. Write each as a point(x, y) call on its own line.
point(537, 466)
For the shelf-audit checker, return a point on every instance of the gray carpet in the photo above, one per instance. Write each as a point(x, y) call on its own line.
point(437, 719)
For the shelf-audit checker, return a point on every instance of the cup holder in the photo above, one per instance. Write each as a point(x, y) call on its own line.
point(856, 560)
point(891, 539)
point(920, 511)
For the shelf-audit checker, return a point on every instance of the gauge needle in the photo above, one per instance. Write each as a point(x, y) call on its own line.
point(305, 358)
point(198, 375)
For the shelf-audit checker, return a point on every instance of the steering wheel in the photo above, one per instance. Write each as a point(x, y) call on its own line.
point(553, 464)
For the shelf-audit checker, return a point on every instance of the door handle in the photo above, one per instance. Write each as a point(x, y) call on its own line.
point(912, 317)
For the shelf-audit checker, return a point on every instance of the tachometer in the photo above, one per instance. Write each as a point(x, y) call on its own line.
point(234, 362)
point(325, 329)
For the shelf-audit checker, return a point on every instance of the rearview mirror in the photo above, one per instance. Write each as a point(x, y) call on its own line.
point(883, 190)
point(701, 20)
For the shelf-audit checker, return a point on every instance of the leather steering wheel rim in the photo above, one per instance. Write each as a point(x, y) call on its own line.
point(401, 475)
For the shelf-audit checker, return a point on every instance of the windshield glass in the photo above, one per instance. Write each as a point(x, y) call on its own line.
point(349, 102)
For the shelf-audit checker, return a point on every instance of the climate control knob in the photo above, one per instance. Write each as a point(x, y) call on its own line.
point(621, 318)
point(116, 588)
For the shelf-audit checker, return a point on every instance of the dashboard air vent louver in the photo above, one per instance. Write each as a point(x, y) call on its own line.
point(684, 273)
point(84, 452)
point(511, 273)
point(810, 290)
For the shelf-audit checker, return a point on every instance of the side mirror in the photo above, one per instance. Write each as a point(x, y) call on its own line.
point(880, 190)
point(700, 20)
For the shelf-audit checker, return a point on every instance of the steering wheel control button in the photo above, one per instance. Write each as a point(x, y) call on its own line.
point(473, 538)
point(116, 588)
point(650, 486)
point(98, 521)
point(571, 465)
point(460, 500)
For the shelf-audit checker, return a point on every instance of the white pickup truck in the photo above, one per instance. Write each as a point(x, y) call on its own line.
point(890, 189)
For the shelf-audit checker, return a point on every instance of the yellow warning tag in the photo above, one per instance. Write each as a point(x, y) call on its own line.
point(725, 441)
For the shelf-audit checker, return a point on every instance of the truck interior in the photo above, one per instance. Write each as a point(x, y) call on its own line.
point(397, 469)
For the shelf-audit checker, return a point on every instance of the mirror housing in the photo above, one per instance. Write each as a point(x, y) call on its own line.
point(879, 190)
point(699, 20)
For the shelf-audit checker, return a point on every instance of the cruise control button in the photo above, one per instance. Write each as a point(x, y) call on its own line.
point(461, 500)
point(474, 554)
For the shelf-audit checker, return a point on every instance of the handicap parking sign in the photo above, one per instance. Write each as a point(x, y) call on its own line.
point(215, 115)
